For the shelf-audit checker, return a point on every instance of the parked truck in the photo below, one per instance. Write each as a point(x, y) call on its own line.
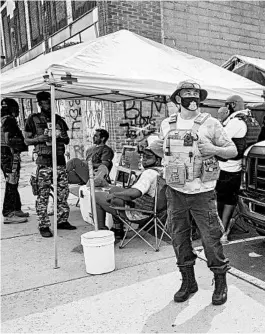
point(252, 194)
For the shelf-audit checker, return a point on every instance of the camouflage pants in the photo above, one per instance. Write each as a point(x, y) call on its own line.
point(45, 180)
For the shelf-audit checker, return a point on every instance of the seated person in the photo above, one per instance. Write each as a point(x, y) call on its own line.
point(101, 155)
point(142, 193)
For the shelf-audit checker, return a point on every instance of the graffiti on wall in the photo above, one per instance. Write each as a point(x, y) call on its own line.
point(94, 117)
point(140, 118)
point(27, 107)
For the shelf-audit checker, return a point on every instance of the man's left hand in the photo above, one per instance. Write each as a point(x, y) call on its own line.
point(207, 149)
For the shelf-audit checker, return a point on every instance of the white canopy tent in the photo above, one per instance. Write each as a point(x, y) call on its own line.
point(118, 67)
point(122, 66)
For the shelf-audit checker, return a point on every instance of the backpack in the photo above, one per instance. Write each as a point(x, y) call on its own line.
point(251, 137)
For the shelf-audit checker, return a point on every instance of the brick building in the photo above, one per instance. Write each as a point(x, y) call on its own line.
point(213, 30)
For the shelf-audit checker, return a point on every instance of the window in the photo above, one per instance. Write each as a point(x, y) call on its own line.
point(56, 15)
point(81, 7)
point(19, 34)
point(35, 22)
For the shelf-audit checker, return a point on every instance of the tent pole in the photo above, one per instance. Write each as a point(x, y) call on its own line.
point(54, 170)
point(84, 131)
point(92, 193)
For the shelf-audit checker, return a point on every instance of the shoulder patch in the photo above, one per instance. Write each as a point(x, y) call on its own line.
point(201, 118)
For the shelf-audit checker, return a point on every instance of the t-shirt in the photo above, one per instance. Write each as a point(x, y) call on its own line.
point(10, 125)
point(47, 159)
point(235, 128)
point(100, 153)
point(146, 184)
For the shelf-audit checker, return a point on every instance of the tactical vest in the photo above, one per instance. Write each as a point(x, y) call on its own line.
point(3, 140)
point(40, 122)
point(183, 161)
point(251, 137)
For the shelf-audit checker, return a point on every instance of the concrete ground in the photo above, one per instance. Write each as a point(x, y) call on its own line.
point(135, 298)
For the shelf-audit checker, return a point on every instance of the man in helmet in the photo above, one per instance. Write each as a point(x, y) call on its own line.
point(12, 143)
point(193, 141)
point(228, 184)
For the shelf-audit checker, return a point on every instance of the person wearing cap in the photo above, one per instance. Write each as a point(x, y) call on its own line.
point(191, 143)
point(228, 184)
point(12, 144)
point(222, 114)
point(145, 185)
point(38, 133)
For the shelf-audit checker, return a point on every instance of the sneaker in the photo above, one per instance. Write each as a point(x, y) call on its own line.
point(66, 226)
point(13, 219)
point(224, 239)
point(20, 213)
point(45, 232)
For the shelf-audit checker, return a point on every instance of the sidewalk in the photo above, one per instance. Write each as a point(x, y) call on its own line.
point(135, 298)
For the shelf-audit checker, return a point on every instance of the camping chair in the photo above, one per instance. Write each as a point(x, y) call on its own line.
point(153, 219)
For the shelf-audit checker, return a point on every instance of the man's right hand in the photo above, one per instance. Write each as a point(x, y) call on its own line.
point(43, 138)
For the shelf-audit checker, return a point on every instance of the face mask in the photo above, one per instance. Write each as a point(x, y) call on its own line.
point(230, 108)
point(190, 103)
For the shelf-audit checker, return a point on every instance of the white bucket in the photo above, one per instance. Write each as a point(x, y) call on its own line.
point(98, 251)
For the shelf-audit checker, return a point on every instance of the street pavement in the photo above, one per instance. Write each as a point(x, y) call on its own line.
point(135, 298)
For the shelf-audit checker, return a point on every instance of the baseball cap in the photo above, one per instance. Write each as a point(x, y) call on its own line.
point(10, 103)
point(222, 113)
point(156, 147)
point(43, 96)
point(189, 85)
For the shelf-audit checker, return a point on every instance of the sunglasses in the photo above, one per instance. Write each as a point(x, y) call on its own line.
point(229, 103)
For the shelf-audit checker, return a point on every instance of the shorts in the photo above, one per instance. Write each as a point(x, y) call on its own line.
point(227, 187)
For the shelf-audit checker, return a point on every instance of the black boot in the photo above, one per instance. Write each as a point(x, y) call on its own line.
point(66, 226)
point(220, 290)
point(45, 232)
point(188, 286)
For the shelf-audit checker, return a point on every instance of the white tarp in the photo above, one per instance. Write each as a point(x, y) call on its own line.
point(122, 66)
point(250, 68)
point(259, 63)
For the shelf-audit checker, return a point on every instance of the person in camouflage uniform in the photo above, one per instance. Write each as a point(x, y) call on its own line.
point(38, 133)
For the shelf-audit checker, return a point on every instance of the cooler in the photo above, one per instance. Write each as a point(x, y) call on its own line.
point(86, 207)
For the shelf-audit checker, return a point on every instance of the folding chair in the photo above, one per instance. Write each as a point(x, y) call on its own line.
point(151, 221)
